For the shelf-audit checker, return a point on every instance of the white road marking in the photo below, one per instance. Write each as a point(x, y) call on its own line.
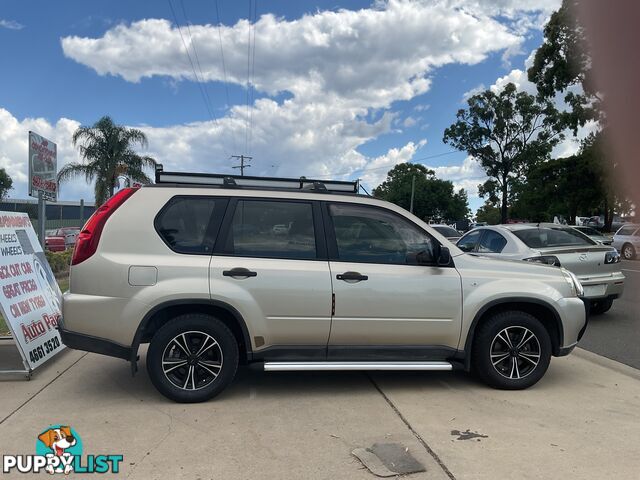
point(629, 270)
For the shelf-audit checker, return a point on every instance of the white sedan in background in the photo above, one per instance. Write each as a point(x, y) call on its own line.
point(627, 241)
point(597, 266)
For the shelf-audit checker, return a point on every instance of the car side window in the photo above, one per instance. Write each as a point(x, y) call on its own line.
point(374, 235)
point(469, 241)
point(491, 242)
point(272, 229)
point(184, 221)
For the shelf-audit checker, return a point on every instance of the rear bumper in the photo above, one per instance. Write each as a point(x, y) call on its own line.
point(598, 287)
point(88, 343)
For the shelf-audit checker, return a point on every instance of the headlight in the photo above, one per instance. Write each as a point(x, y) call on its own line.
point(612, 257)
point(574, 283)
point(546, 259)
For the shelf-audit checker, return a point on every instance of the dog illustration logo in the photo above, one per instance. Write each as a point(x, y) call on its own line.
point(59, 441)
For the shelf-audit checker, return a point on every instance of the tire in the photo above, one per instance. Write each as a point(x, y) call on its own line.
point(531, 360)
point(598, 307)
point(628, 252)
point(190, 378)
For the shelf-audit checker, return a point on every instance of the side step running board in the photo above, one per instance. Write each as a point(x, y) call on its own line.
point(309, 366)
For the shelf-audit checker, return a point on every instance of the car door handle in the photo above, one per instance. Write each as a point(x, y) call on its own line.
point(357, 276)
point(239, 272)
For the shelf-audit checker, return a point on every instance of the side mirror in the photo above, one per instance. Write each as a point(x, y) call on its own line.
point(423, 257)
point(444, 258)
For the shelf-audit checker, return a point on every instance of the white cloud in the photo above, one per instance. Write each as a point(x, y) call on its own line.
point(467, 175)
point(360, 57)
point(475, 90)
point(409, 122)
point(11, 24)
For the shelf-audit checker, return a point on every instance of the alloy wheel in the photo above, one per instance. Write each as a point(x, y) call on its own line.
point(192, 360)
point(515, 352)
point(627, 252)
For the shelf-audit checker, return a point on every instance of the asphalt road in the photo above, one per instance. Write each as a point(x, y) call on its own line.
point(616, 334)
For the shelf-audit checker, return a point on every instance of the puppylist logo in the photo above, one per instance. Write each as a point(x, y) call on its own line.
point(59, 450)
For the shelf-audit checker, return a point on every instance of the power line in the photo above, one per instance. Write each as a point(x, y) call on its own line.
point(193, 68)
point(224, 72)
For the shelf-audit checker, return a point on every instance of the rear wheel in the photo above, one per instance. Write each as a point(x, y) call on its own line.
point(192, 358)
point(598, 307)
point(628, 252)
point(511, 351)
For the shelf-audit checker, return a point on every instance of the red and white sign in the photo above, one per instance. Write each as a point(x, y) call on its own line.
point(43, 167)
point(29, 295)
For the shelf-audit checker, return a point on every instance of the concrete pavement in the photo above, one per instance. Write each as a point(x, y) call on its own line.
point(581, 421)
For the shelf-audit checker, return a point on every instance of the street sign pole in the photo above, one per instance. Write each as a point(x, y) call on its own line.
point(42, 218)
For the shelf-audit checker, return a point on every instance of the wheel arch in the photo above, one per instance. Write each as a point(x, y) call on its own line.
point(543, 311)
point(163, 312)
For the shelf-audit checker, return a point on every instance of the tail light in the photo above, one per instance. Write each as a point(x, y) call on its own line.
point(89, 236)
point(545, 259)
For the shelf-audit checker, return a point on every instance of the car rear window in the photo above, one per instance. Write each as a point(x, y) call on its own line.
point(447, 231)
point(552, 237)
point(184, 221)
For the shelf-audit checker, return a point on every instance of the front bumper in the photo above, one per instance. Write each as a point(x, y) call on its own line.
point(88, 343)
point(603, 286)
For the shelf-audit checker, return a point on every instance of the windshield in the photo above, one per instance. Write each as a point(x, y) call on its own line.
point(447, 231)
point(552, 237)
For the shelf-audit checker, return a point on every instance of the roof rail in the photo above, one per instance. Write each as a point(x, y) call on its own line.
point(271, 183)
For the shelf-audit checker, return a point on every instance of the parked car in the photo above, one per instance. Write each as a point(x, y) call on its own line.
point(448, 232)
point(355, 283)
point(596, 266)
point(69, 234)
point(595, 235)
point(627, 241)
point(54, 242)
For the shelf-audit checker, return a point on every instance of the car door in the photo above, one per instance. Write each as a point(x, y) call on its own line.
point(271, 263)
point(386, 306)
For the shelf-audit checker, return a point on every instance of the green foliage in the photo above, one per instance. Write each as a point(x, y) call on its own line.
point(107, 153)
point(6, 183)
point(488, 213)
point(563, 61)
point(59, 261)
point(434, 199)
point(508, 133)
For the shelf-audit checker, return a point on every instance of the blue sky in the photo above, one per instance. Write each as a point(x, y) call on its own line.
point(344, 89)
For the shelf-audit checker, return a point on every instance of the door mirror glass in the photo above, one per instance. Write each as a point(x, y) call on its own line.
point(445, 256)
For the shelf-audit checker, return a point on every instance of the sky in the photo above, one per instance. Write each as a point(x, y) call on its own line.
point(326, 89)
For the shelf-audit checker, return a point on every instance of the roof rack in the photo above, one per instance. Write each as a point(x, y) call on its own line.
point(272, 183)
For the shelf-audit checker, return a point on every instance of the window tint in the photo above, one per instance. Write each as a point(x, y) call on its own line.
point(469, 241)
point(447, 231)
point(373, 235)
point(552, 237)
point(183, 223)
point(588, 231)
point(272, 229)
point(491, 242)
point(627, 230)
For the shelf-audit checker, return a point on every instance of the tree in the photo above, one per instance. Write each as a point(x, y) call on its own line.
point(507, 132)
point(107, 153)
point(434, 199)
point(6, 183)
point(488, 213)
point(563, 64)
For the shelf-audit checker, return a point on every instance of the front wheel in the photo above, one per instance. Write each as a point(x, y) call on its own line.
point(192, 358)
point(511, 350)
point(628, 252)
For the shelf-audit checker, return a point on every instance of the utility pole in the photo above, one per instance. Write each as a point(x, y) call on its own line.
point(242, 166)
point(413, 189)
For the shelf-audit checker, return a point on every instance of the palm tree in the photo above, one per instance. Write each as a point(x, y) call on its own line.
point(107, 153)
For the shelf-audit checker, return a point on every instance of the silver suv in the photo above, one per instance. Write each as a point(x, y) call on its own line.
point(217, 271)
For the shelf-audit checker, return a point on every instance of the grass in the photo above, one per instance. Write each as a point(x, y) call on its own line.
point(63, 283)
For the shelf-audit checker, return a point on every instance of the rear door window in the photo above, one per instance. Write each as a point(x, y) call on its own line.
point(469, 241)
point(272, 229)
point(188, 224)
point(626, 231)
point(491, 242)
